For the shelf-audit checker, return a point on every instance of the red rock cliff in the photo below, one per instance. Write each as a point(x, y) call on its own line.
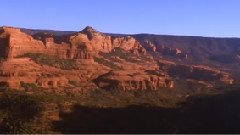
point(82, 45)
point(15, 43)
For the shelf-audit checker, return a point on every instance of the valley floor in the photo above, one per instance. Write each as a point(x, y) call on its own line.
point(101, 111)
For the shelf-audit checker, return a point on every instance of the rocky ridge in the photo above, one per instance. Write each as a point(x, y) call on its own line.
point(97, 60)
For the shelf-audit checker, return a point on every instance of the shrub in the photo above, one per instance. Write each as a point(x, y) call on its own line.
point(28, 86)
point(128, 56)
point(19, 110)
point(44, 59)
point(106, 63)
point(109, 56)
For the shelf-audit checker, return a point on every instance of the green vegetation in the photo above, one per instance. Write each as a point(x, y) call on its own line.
point(44, 59)
point(200, 114)
point(28, 86)
point(130, 57)
point(74, 83)
point(17, 111)
point(109, 57)
point(107, 63)
point(116, 98)
point(123, 54)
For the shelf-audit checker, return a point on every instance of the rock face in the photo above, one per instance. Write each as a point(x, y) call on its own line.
point(91, 59)
point(163, 50)
point(129, 43)
point(18, 43)
point(132, 80)
point(4, 41)
point(89, 42)
point(15, 71)
point(198, 48)
point(82, 45)
point(201, 73)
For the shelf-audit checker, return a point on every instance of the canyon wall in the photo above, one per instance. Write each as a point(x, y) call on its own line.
point(82, 45)
point(92, 57)
point(19, 43)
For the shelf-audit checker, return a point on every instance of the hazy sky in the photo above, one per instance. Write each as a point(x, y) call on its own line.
point(172, 17)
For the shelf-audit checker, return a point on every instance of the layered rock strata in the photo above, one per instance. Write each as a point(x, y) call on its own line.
point(132, 80)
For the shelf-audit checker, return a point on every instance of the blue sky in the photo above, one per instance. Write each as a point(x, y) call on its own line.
point(216, 18)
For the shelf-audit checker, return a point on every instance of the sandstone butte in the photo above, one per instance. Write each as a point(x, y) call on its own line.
point(131, 68)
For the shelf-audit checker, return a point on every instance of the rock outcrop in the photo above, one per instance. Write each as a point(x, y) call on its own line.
point(82, 45)
point(13, 72)
point(86, 44)
point(93, 59)
point(129, 43)
point(163, 50)
point(89, 42)
point(16, 43)
point(133, 80)
point(201, 73)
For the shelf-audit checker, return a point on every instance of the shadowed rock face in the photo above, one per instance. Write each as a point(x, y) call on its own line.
point(199, 73)
point(88, 56)
point(4, 49)
point(164, 50)
point(197, 48)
